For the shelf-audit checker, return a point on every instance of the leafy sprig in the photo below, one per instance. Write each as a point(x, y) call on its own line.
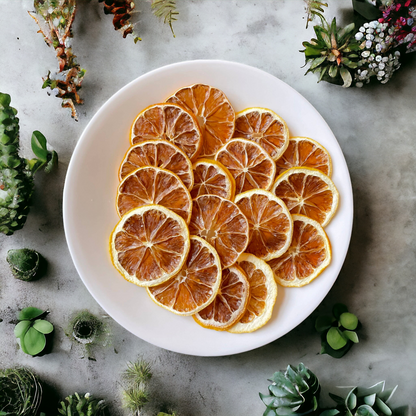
point(338, 332)
point(313, 9)
point(166, 11)
point(31, 330)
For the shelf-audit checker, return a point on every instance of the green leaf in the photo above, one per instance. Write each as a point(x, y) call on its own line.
point(365, 410)
point(29, 313)
point(21, 328)
point(333, 71)
point(52, 161)
point(352, 336)
point(39, 146)
point(323, 323)
point(336, 399)
point(335, 339)
point(383, 407)
point(367, 10)
point(351, 400)
point(317, 61)
point(346, 77)
point(34, 341)
point(370, 400)
point(348, 320)
point(338, 309)
point(23, 346)
point(42, 326)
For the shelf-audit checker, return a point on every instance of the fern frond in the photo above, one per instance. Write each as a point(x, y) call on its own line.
point(165, 10)
point(313, 9)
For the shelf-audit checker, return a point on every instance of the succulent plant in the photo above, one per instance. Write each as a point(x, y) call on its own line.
point(333, 54)
point(20, 392)
point(26, 264)
point(86, 405)
point(31, 330)
point(337, 331)
point(371, 401)
point(16, 173)
point(296, 391)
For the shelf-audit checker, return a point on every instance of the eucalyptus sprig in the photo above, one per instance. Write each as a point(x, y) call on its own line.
point(338, 331)
point(166, 11)
point(31, 330)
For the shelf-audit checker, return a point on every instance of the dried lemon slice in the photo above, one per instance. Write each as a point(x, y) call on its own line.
point(149, 245)
point(230, 303)
point(308, 192)
point(308, 255)
point(263, 294)
point(195, 286)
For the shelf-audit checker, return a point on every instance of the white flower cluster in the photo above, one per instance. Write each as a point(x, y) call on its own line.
point(375, 60)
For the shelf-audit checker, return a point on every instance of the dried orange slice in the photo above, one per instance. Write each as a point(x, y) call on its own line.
point(230, 303)
point(308, 192)
point(305, 152)
point(151, 185)
point(170, 122)
point(211, 177)
point(149, 245)
point(195, 286)
point(222, 224)
point(264, 127)
point(250, 165)
point(270, 223)
point(263, 294)
point(159, 153)
point(308, 255)
point(213, 111)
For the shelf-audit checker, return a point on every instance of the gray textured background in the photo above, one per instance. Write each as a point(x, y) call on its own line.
point(375, 127)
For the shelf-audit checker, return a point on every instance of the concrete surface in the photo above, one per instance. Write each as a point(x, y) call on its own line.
point(375, 127)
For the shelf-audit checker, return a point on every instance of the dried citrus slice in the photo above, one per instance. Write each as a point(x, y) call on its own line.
point(308, 192)
point(195, 286)
point(263, 294)
point(211, 177)
point(308, 255)
point(264, 127)
point(250, 165)
point(213, 111)
point(230, 303)
point(159, 153)
point(149, 245)
point(222, 224)
point(303, 151)
point(151, 185)
point(270, 223)
point(170, 122)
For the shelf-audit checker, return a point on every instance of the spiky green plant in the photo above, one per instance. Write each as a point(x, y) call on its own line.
point(166, 11)
point(296, 391)
point(20, 392)
point(371, 401)
point(333, 53)
point(17, 173)
point(76, 405)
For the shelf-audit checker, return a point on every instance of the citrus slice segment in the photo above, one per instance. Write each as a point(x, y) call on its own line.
point(213, 111)
point(170, 122)
point(161, 154)
point(270, 222)
point(250, 165)
point(305, 152)
point(308, 255)
point(308, 192)
point(151, 185)
point(149, 245)
point(211, 177)
point(264, 127)
point(230, 302)
point(263, 294)
point(195, 286)
point(222, 224)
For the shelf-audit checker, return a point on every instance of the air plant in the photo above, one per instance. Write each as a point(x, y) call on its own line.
point(82, 405)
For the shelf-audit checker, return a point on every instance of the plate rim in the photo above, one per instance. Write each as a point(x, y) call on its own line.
point(84, 137)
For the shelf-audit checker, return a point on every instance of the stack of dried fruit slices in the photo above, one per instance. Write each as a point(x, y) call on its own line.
point(217, 207)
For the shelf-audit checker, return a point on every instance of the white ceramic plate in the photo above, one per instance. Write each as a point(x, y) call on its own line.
point(90, 215)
